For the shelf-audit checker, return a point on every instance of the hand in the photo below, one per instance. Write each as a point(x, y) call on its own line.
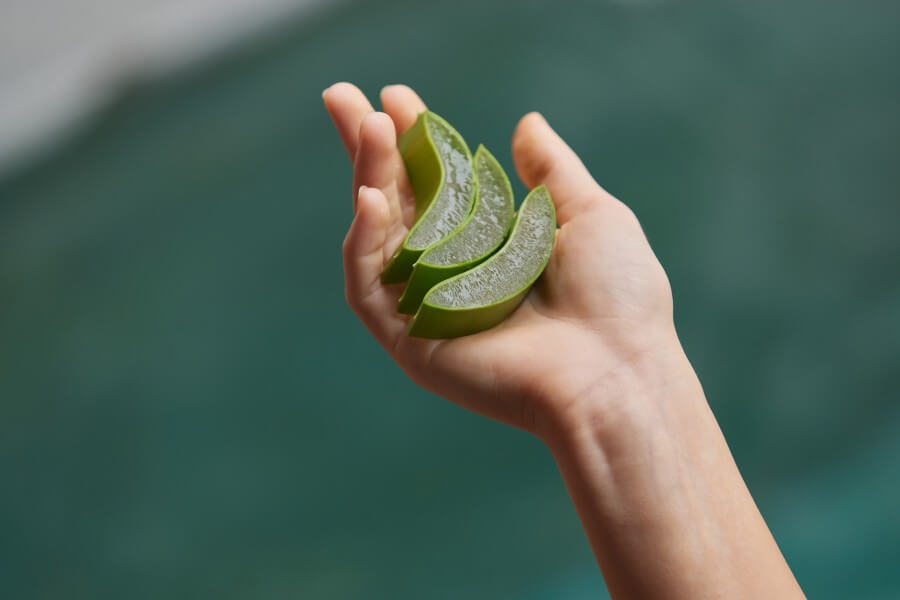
point(589, 362)
point(602, 301)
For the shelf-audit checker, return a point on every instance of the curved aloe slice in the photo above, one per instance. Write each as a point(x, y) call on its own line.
point(482, 297)
point(439, 166)
point(479, 235)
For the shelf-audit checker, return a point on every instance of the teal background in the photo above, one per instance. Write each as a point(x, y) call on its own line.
point(188, 409)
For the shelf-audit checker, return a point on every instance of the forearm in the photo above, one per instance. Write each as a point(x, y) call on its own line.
point(663, 504)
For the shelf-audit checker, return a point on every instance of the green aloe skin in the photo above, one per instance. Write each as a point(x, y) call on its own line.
point(482, 232)
point(439, 166)
point(482, 297)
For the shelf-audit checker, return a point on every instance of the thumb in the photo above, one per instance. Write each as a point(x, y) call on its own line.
point(541, 156)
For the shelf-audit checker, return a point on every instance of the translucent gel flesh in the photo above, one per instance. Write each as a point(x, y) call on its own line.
point(452, 205)
point(488, 224)
point(507, 272)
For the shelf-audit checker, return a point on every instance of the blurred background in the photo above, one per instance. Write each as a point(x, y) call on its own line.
point(187, 407)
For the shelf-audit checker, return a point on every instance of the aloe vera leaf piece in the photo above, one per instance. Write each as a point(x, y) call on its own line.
point(482, 232)
point(482, 297)
point(439, 167)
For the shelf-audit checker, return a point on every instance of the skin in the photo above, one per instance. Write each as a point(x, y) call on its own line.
point(590, 363)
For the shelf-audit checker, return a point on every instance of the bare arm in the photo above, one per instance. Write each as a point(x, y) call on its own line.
point(590, 363)
point(660, 497)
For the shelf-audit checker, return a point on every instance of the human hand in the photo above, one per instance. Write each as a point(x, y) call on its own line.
point(589, 362)
point(602, 303)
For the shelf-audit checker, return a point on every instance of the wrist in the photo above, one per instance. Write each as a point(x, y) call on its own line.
point(656, 487)
point(620, 395)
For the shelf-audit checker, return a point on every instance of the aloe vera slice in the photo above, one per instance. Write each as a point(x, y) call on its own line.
point(439, 166)
point(480, 298)
point(474, 240)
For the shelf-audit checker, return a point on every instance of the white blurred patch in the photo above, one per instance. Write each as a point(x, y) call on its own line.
point(61, 60)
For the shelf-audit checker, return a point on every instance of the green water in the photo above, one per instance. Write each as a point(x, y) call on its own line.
point(188, 410)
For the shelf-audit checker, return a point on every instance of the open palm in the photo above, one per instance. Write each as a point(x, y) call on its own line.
point(602, 299)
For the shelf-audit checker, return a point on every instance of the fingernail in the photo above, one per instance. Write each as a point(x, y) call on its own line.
point(360, 190)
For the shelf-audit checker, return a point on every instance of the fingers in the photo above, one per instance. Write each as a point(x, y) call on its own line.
point(363, 262)
point(363, 256)
point(347, 106)
point(377, 158)
point(541, 156)
point(402, 104)
point(378, 162)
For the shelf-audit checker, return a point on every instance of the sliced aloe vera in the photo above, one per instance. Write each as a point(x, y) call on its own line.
point(479, 235)
point(482, 297)
point(439, 166)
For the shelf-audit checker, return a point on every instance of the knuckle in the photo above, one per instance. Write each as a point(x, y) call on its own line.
point(347, 245)
point(538, 165)
point(349, 298)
